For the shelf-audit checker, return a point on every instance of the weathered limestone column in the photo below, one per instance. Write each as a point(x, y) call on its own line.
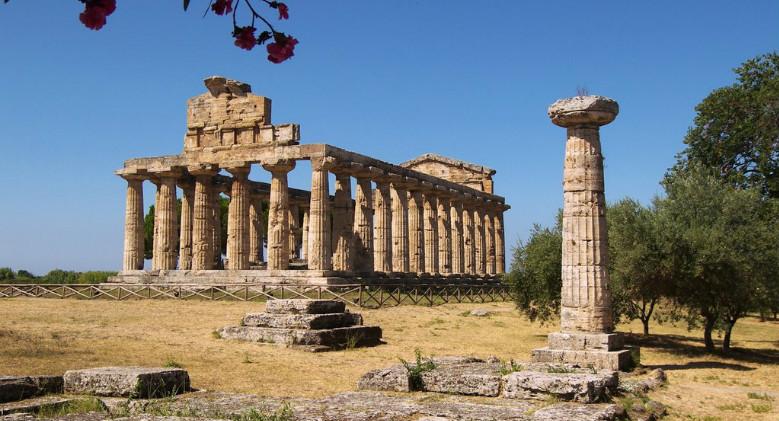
point(400, 243)
point(165, 252)
point(216, 227)
point(382, 228)
point(278, 225)
point(202, 220)
point(500, 241)
point(238, 220)
point(319, 252)
point(469, 239)
point(304, 235)
point(431, 232)
point(458, 237)
point(416, 232)
point(479, 242)
point(363, 225)
point(444, 235)
point(489, 240)
point(133, 224)
point(294, 231)
point(585, 319)
point(255, 231)
point(185, 233)
point(343, 223)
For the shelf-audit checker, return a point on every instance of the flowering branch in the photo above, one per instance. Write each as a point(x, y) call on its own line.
point(96, 12)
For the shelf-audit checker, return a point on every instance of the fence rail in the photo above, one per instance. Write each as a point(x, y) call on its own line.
point(367, 296)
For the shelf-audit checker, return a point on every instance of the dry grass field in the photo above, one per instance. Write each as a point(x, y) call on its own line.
point(41, 336)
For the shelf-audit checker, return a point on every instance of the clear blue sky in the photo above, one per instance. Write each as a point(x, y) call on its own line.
point(389, 79)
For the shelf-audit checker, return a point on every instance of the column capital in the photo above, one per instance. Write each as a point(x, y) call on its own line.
point(279, 165)
point(239, 172)
point(203, 169)
point(325, 163)
point(583, 111)
point(134, 176)
point(361, 171)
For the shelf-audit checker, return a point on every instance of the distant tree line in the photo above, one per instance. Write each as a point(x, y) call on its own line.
point(56, 276)
point(707, 248)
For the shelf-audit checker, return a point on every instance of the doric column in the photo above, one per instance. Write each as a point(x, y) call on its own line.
point(500, 241)
point(185, 233)
point(489, 241)
point(585, 299)
point(400, 243)
point(444, 235)
point(202, 220)
point(480, 244)
point(416, 232)
point(165, 252)
point(458, 249)
point(238, 220)
point(469, 237)
point(343, 223)
point(216, 226)
point(255, 231)
point(304, 235)
point(431, 232)
point(294, 230)
point(382, 228)
point(278, 225)
point(133, 224)
point(319, 252)
point(363, 225)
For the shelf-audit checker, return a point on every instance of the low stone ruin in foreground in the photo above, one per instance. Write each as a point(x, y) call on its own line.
point(468, 389)
point(312, 325)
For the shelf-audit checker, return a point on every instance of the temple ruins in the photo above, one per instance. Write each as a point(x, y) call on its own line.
point(586, 333)
point(432, 219)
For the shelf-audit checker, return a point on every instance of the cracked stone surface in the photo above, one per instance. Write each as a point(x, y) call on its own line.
point(140, 382)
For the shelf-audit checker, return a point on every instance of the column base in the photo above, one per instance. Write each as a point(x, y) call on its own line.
point(597, 350)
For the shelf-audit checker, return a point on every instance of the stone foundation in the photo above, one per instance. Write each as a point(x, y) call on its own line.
point(312, 325)
point(129, 382)
point(598, 359)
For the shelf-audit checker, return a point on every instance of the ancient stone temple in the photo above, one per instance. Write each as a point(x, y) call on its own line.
point(586, 327)
point(432, 219)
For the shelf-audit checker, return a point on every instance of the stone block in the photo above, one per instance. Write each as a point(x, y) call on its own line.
point(572, 411)
point(448, 379)
point(394, 379)
point(297, 306)
point(598, 359)
point(316, 340)
point(135, 382)
point(14, 388)
point(585, 388)
point(302, 321)
point(584, 341)
point(33, 405)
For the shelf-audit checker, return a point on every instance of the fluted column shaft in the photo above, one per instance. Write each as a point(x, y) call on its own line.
point(400, 243)
point(444, 236)
point(489, 241)
point(343, 223)
point(255, 231)
point(480, 244)
point(294, 231)
point(500, 243)
point(202, 221)
point(238, 220)
point(431, 233)
point(469, 241)
point(165, 252)
point(185, 233)
point(382, 228)
point(304, 239)
point(278, 224)
point(133, 225)
point(216, 227)
point(363, 225)
point(416, 231)
point(319, 251)
point(458, 250)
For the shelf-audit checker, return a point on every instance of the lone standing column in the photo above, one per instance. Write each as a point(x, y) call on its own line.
point(133, 224)
point(238, 220)
point(165, 252)
point(278, 225)
point(319, 251)
point(585, 318)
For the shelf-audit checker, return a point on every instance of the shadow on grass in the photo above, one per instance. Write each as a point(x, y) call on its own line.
point(689, 346)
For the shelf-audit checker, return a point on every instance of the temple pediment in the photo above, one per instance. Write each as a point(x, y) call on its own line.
point(468, 174)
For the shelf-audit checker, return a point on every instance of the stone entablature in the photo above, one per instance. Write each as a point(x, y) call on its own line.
point(368, 232)
point(475, 176)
